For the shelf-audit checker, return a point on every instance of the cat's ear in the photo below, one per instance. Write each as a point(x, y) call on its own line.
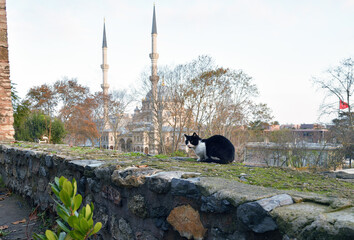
point(186, 135)
point(195, 135)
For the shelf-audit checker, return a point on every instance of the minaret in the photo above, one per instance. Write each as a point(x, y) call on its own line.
point(154, 80)
point(105, 85)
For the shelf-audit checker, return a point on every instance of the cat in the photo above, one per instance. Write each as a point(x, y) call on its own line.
point(216, 149)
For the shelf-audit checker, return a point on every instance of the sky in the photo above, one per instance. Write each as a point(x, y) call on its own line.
point(281, 44)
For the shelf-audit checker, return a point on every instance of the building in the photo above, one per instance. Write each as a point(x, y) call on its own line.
point(7, 131)
point(311, 133)
point(304, 145)
point(147, 126)
point(299, 154)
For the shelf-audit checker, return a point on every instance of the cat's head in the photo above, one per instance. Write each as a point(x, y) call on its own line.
point(192, 140)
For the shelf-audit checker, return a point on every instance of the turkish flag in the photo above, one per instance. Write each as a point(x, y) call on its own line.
point(343, 105)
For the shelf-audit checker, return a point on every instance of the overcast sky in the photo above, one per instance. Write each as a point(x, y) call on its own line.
point(282, 44)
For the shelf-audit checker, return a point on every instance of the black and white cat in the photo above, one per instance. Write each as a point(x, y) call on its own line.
point(214, 149)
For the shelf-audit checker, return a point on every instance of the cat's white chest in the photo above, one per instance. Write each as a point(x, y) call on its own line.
point(200, 150)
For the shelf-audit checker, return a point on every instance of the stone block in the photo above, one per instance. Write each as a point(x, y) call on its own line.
point(137, 206)
point(121, 229)
point(185, 187)
point(49, 161)
point(186, 221)
point(131, 177)
point(253, 216)
point(214, 205)
point(111, 194)
point(269, 204)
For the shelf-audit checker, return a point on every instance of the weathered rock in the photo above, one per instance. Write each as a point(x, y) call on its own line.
point(255, 218)
point(42, 172)
point(315, 221)
point(162, 223)
point(121, 229)
point(144, 235)
point(269, 204)
point(42, 185)
point(137, 206)
point(157, 212)
point(81, 186)
point(185, 187)
point(111, 194)
point(131, 177)
point(103, 173)
point(187, 222)
point(161, 181)
point(87, 163)
point(21, 172)
point(214, 205)
point(217, 234)
point(93, 185)
point(334, 202)
point(49, 161)
point(236, 192)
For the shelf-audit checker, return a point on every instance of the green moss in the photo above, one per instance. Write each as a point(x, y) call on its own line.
point(134, 154)
point(161, 156)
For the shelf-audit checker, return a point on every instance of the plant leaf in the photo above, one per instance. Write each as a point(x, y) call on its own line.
point(74, 184)
point(62, 236)
point(39, 236)
point(50, 235)
point(64, 197)
point(73, 222)
point(77, 202)
point(68, 187)
point(88, 211)
point(76, 235)
point(62, 179)
point(97, 227)
point(63, 226)
point(84, 227)
point(55, 189)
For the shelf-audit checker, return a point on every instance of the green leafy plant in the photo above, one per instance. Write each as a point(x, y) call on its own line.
point(4, 233)
point(73, 224)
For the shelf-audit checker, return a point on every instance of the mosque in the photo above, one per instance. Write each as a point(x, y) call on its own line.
point(141, 132)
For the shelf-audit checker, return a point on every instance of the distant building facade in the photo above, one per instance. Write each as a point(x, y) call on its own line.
point(300, 154)
point(306, 146)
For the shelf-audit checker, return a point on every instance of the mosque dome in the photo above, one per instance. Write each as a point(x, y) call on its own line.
point(162, 92)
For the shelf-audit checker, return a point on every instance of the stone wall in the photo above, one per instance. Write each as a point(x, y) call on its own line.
point(144, 203)
point(6, 112)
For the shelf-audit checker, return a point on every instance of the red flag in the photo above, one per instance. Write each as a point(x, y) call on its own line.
point(343, 105)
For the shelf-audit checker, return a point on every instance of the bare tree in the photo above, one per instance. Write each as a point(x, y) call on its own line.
point(119, 101)
point(338, 84)
point(98, 115)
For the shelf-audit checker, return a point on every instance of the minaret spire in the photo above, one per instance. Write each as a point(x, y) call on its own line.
point(154, 80)
point(104, 43)
point(154, 29)
point(105, 84)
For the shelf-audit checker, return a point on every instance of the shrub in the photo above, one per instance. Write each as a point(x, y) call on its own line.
point(73, 224)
